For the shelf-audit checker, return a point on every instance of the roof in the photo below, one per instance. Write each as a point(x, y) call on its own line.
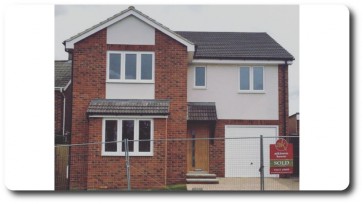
point(123, 14)
point(236, 45)
point(202, 111)
point(62, 73)
point(128, 107)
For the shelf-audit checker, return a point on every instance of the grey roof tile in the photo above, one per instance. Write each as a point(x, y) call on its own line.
point(236, 45)
point(62, 73)
point(128, 107)
point(202, 111)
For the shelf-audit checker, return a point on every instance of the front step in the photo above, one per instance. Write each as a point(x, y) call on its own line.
point(201, 177)
point(202, 181)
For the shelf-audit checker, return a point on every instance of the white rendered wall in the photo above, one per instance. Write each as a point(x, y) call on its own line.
point(130, 91)
point(223, 86)
point(131, 31)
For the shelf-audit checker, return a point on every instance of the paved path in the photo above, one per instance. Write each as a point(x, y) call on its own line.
point(248, 184)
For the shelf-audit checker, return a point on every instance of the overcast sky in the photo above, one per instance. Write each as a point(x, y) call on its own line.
point(280, 22)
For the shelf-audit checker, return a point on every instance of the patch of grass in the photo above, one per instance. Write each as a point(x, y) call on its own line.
point(176, 187)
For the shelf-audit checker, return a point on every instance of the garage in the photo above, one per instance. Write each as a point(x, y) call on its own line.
point(242, 149)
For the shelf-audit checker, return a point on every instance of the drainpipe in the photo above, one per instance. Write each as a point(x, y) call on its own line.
point(64, 109)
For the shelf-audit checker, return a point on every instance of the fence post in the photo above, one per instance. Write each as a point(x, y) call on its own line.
point(262, 175)
point(126, 143)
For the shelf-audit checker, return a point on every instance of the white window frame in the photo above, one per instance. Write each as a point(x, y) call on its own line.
point(195, 78)
point(123, 69)
point(251, 90)
point(119, 151)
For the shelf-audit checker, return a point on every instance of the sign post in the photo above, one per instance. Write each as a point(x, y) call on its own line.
point(281, 157)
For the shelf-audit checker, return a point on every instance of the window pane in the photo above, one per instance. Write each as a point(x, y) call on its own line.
point(146, 66)
point(115, 66)
point(111, 135)
point(258, 78)
point(200, 76)
point(128, 133)
point(130, 66)
point(144, 134)
point(244, 78)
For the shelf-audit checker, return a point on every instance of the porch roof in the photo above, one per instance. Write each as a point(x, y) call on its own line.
point(128, 107)
point(202, 111)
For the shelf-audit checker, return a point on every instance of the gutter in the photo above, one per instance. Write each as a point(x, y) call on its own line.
point(64, 109)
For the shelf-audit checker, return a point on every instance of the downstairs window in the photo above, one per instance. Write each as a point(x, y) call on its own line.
point(139, 132)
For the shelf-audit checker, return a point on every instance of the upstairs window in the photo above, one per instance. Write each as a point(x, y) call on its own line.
point(130, 67)
point(200, 77)
point(251, 79)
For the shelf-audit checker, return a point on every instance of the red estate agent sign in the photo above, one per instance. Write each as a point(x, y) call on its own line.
point(281, 157)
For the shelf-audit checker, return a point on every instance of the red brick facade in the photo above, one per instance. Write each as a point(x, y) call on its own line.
point(58, 113)
point(171, 83)
point(109, 172)
point(283, 99)
point(89, 76)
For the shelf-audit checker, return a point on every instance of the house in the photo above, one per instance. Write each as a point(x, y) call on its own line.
point(294, 131)
point(62, 100)
point(134, 78)
point(294, 124)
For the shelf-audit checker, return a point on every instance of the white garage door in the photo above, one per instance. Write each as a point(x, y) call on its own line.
point(242, 153)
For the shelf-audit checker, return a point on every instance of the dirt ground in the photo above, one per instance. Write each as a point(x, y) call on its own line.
point(248, 184)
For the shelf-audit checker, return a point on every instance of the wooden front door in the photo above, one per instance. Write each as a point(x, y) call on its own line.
point(198, 149)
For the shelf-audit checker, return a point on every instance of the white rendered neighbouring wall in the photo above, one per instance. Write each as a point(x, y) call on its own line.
point(223, 89)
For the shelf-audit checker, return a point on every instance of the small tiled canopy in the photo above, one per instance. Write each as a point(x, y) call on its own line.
point(202, 111)
point(128, 107)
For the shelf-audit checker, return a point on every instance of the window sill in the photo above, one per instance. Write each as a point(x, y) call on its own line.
point(200, 88)
point(131, 154)
point(252, 92)
point(130, 82)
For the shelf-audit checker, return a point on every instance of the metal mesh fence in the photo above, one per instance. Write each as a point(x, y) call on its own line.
point(215, 164)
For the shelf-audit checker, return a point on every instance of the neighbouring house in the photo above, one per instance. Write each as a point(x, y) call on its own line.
point(294, 131)
point(133, 78)
point(62, 100)
point(294, 124)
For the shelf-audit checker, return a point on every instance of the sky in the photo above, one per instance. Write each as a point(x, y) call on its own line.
point(280, 22)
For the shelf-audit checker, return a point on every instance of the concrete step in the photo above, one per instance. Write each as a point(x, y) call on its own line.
point(202, 180)
point(200, 175)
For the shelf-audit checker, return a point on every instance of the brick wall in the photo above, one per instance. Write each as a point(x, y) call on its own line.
point(89, 77)
point(109, 172)
point(89, 60)
point(283, 99)
point(58, 112)
point(171, 62)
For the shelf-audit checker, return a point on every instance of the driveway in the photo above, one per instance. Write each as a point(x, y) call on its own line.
point(248, 184)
